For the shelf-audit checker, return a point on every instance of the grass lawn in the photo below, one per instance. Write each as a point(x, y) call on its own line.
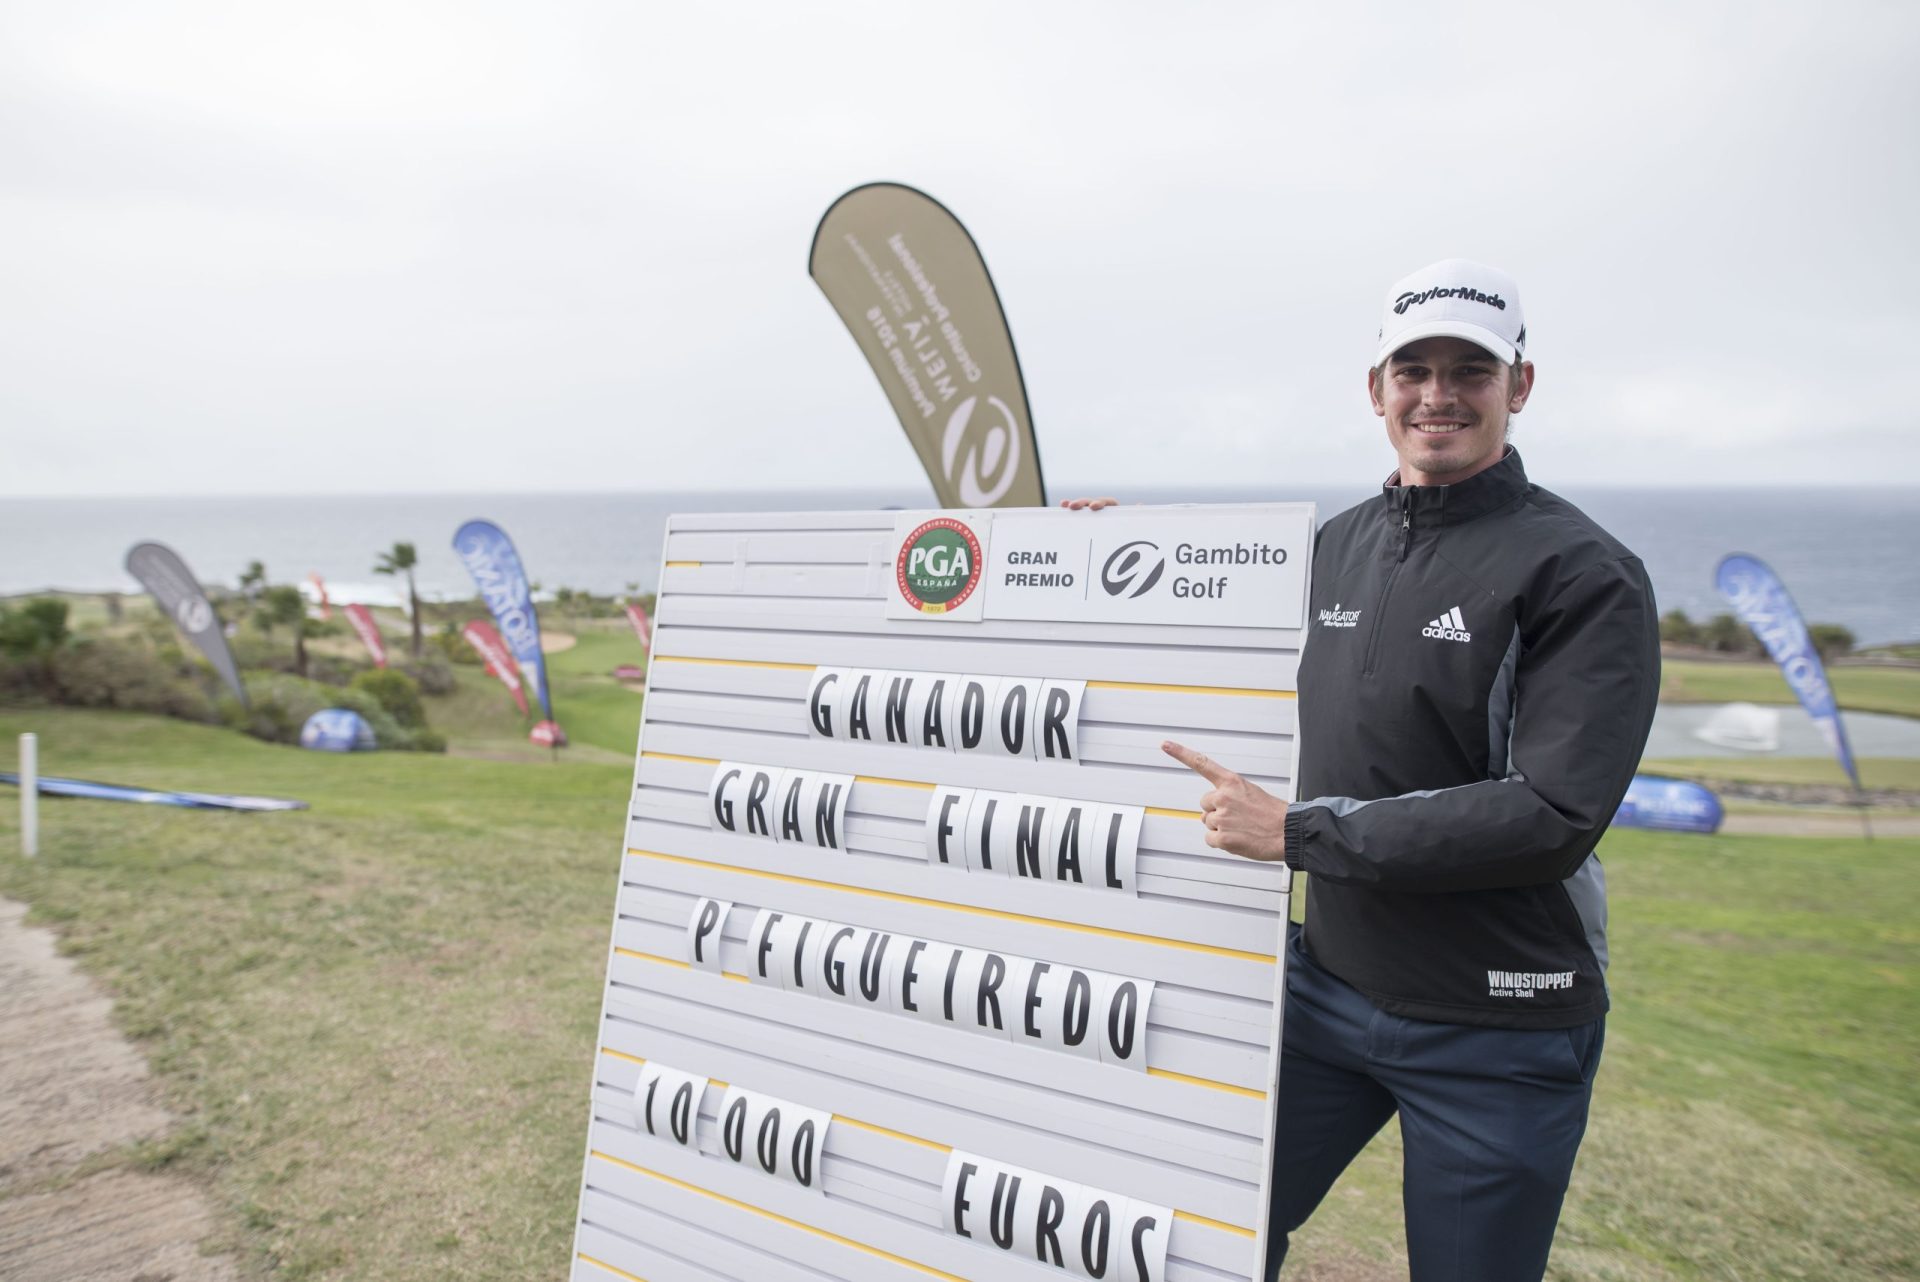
point(377, 1016)
point(1875, 772)
point(1892, 690)
point(601, 716)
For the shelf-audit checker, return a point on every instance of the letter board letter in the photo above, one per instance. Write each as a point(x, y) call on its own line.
point(947, 826)
point(724, 792)
point(705, 927)
point(1056, 720)
point(667, 1102)
point(825, 692)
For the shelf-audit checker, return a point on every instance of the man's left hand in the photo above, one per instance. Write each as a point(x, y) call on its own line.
point(1241, 818)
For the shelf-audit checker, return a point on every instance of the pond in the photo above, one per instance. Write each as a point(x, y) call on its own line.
point(1872, 734)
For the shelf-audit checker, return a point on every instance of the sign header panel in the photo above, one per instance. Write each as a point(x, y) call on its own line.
point(1242, 568)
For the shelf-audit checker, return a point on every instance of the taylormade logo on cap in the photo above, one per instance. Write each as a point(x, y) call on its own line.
point(1455, 298)
point(1405, 301)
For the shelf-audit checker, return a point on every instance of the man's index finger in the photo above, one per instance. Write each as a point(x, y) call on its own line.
point(1198, 762)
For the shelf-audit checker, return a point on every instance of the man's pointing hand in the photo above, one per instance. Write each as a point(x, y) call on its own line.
point(1241, 818)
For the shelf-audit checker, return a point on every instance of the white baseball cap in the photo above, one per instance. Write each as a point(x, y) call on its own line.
point(1457, 298)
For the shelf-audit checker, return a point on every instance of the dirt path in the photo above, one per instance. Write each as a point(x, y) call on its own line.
point(1817, 823)
point(72, 1089)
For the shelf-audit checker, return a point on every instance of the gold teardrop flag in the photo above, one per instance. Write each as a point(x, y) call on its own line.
point(912, 288)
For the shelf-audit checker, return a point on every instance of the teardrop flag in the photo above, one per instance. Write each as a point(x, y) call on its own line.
point(369, 632)
point(909, 283)
point(1762, 603)
point(490, 558)
point(481, 636)
point(642, 626)
point(180, 597)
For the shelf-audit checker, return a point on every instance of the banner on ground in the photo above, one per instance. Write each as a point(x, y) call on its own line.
point(1762, 603)
point(368, 631)
point(499, 660)
point(490, 558)
point(911, 286)
point(180, 597)
point(1673, 805)
point(320, 594)
point(921, 965)
point(85, 788)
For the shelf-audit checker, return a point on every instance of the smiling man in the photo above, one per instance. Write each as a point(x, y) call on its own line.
point(1477, 684)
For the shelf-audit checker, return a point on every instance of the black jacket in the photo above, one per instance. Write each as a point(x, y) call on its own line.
point(1477, 684)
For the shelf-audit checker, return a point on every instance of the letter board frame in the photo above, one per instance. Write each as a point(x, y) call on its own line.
point(750, 608)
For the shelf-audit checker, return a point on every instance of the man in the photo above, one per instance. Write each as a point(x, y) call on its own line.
point(1476, 688)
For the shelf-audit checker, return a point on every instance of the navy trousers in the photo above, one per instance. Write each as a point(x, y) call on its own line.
point(1490, 1120)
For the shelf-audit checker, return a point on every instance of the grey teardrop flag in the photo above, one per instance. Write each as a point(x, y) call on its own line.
point(911, 286)
point(163, 574)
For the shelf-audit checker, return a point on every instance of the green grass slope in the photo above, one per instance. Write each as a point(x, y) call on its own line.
point(377, 1016)
point(1860, 689)
point(1901, 773)
point(601, 716)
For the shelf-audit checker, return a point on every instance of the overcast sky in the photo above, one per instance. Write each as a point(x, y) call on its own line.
point(262, 247)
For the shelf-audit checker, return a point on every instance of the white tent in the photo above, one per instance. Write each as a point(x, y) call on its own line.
point(1746, 727)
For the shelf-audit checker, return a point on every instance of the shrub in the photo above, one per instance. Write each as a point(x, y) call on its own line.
point(253, 650)
point(432, 673)
point(331, 669)
point(20, 683)
point(31, 634)
point(108, 672)
point(282, 704)
point(34, 629)
point(269, 714)
point(450, 644)
point(1728, 635)
point(1677, 629)
point(395, 692)
point(1831, 639)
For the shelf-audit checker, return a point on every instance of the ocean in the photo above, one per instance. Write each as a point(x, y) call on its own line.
point(1849, 556)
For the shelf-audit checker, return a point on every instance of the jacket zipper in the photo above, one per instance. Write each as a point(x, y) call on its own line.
point(1386, 590)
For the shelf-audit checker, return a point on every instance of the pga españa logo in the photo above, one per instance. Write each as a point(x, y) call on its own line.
point(939, 566)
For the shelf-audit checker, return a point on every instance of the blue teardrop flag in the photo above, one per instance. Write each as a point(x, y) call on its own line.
point(489, 556)
point(1761, 602)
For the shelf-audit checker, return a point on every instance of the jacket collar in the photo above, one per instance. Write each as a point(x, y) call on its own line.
point(1479, 494)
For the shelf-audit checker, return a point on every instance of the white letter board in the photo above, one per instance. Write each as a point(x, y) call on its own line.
point(1027, 1042)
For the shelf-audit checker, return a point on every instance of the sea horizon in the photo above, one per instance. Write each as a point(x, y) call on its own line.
point(1844, 551)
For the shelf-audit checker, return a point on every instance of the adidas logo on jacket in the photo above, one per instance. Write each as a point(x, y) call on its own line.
point(1448, 627)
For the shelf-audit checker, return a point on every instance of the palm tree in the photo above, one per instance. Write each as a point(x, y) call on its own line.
point(400, 559)
point(284, 604)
